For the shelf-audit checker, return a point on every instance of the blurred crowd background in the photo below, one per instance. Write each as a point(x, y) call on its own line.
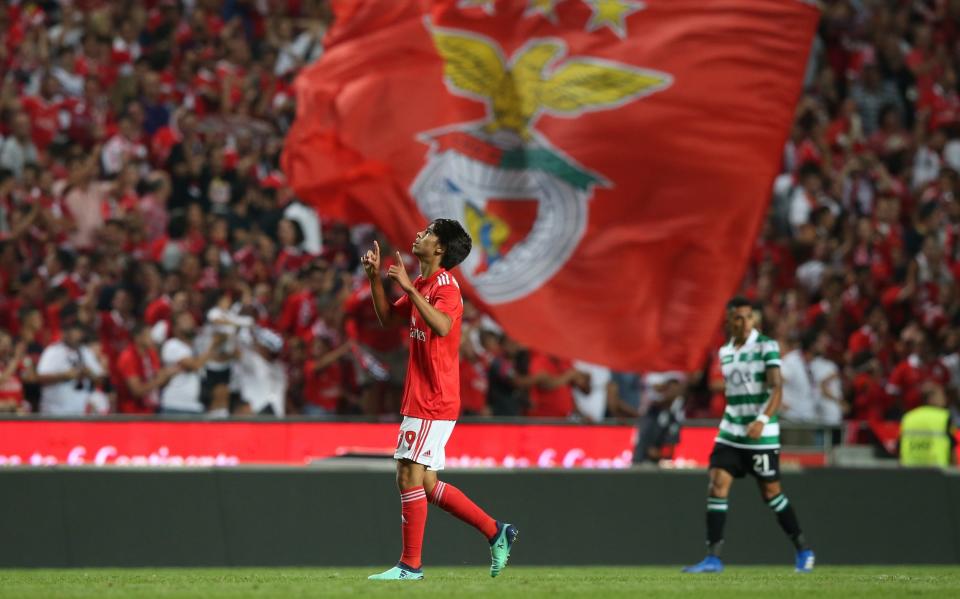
point(153, 259)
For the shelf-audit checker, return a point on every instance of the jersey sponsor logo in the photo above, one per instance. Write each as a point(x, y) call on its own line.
point(737, 379)
point(524, 201)
point(418, 335)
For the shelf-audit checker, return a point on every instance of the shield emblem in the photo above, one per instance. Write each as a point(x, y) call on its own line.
point(525, 222)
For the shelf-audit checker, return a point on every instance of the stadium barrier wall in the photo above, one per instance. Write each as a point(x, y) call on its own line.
point(61, 517)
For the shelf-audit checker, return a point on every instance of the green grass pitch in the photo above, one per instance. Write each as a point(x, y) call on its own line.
point(521, 582)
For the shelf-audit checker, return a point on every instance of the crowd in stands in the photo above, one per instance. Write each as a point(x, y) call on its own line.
point(857, 266)
point(153, 259)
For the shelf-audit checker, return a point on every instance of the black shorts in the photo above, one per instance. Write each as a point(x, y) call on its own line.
point(214, 378)
point(762, 464)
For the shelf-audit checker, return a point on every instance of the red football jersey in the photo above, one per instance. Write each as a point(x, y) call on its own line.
point(550, 403)
point(432, 388)
point(908, 378)
point(363, 326)
point(132, 363)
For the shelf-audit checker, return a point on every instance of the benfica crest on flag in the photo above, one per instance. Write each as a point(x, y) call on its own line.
point(610, 158)
point(524, 202)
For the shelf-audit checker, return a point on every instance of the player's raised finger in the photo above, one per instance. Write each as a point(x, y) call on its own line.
point(376, 248)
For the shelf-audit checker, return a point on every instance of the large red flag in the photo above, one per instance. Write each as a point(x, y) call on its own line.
point(612, 159)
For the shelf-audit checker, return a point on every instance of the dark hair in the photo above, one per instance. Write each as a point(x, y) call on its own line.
point(26, 277)
point(177, 227)
point(927, 209)
point(808, 169)
point(66, 259)
point(809, 339)
point(298, 236)
point(455, 240)
point(740, 302)
point(138, 328)
point(69, 314)
point(886, 109)
point(25, 312)
point(861, 359)
point(55, 294)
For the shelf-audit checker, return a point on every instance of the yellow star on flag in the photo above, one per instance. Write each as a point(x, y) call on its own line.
point(612, 14)
point(486, 5)
point(544, 8)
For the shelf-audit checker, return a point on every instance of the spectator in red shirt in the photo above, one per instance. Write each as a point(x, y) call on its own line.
point(551, 395)
point(323, 385)
point(58, 272)
point(922, 366)
point(384, 344)
point(139, 375)
point(44, 111)
point(30, 295)
point(291, 257)
point(161, 308)
point(300, 307)
point(870, 400)
point(115, 326)
point(11, 389)
point(474, 366)
point(872, 336)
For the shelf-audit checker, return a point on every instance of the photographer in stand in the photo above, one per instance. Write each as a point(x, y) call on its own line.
point(68, 373)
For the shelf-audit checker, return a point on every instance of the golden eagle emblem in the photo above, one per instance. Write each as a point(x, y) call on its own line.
point(536, 80)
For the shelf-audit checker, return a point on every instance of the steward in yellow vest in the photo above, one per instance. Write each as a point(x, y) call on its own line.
point(927, 434)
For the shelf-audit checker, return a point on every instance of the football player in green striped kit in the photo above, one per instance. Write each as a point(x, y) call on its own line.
point(748, 441)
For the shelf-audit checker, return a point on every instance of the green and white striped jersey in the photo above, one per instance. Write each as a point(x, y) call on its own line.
point(745, 382)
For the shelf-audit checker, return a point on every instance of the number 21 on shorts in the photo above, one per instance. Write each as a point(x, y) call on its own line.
point(761, 464)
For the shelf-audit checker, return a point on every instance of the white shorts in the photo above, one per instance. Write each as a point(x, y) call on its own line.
point(423, 441)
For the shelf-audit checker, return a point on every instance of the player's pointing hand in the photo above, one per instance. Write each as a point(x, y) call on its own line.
point(398, 273)
point(371, 261)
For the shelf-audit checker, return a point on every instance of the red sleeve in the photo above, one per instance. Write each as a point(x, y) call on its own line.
point(538, 363)
point(896, 377)
point(353, 302)
point(288, 315)
point(889, 296)
point(350, 328)
point(105, 329)
point(402, 302)
point(449, 301)
point(858, 342)
point(287, 321)
point(29, 104)
point(155, 312)
point(127, 366)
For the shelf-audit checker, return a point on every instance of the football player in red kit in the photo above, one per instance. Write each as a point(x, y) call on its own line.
point(431, 395)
